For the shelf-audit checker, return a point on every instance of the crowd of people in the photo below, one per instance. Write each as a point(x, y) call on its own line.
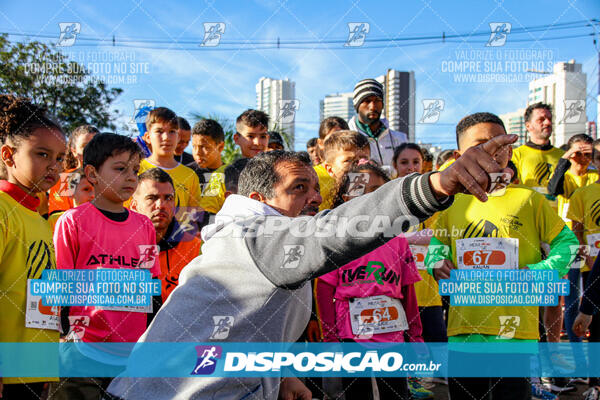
point(88, 200)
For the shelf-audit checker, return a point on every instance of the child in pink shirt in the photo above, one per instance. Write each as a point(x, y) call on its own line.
point(104, 234)
point(371, 299)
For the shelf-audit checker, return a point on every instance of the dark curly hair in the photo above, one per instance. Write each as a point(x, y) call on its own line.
point(19, 118)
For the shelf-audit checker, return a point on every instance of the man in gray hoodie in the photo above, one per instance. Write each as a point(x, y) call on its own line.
point(258, 259)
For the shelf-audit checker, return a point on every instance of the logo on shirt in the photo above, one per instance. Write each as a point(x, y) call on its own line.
point(222, 325)
point(373, 272)
point(481, 228)
point(207, 359)
point(292, 254)
point(595, 212)
point(542, 172)
point(508, 326)
point(39, 258)
point(512, 221)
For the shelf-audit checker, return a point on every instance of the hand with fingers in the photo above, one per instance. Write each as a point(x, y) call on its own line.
point(470, 173)
point(442, 269)
point(581, 324)
point(578, 147)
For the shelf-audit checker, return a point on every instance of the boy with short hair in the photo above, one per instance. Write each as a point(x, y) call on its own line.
point(340, 150)
point(208, 142)
point(184, 133)
point(253, 138)
point(104, 234)
point(514, 223)
point(161, 124)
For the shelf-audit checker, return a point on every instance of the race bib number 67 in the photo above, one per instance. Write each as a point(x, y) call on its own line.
point(487, 253)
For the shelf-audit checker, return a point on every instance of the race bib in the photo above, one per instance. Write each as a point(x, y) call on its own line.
point(594, 241)
point(376, 314)
point(38, 315)
point(487, 253)
point(419, 253)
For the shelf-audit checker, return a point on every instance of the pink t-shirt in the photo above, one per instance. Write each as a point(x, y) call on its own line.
point(388, 270)
point(86, 239)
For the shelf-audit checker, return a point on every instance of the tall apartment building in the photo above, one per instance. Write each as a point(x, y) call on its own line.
point(336, 105)
point(272, 97)
point(399, 103)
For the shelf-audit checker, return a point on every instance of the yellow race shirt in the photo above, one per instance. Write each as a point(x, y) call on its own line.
point(427, 289)
point(213, 195)
point(446, 164)
point(327, 187)
point(571, 183)
point(26, 249)
point(520, 213)
point(536, 166)
point(187, 185)
point(53, 218)
point(584, 207)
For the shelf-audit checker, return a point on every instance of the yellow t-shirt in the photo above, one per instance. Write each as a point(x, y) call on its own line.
point(536, 166)
point(584, 207)
point(520, 213)
point(213, 195)
point(326, 187)
point(571, 183)
point(187, 185)
point(427, 289)
point(446, 164)
point(26, 249)
point(53, 219)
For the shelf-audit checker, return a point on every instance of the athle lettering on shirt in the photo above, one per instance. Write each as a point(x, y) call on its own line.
point(109, 259)
point(373, 272)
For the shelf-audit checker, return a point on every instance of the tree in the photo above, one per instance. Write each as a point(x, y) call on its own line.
point(230, 152)
point(66, 88)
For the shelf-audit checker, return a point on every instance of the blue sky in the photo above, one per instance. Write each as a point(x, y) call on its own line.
point(218, 81)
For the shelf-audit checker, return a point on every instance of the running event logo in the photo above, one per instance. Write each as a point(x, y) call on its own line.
point(212, 34)
point(499, 33)
point(222, 326)
point(148, 255)
point(432, 109)
point(287, 111)
point(292, 254)
point(207, 359)
point(68, 33)
point(574, 110)
point(357, 33)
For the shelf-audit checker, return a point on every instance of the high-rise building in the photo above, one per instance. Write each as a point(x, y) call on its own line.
point(514, 122)
point(336, 105)
point(274, 96)
point(399, 103)
point(565, 91)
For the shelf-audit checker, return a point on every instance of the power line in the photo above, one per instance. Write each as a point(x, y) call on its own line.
point(299, 44)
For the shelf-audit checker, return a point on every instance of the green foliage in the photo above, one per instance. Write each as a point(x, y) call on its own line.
point(45, 75)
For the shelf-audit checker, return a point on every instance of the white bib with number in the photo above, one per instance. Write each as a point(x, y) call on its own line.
point(419, 253)
point(38, 315)
point(594, 241)
point(377, 314)
point(487, 253)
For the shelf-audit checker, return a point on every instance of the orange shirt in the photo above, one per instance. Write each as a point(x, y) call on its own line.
point(57, 201)
point(175, 255)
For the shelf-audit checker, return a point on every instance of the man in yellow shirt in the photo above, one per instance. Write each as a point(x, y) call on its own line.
point(516, 222)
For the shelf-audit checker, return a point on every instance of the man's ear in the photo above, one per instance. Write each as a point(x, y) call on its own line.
point(258, 197)
point(221, 146)
point(328, 169)
point(91, 174)
point(6, 154)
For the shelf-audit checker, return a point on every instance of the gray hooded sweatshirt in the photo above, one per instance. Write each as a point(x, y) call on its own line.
point(256, 267)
